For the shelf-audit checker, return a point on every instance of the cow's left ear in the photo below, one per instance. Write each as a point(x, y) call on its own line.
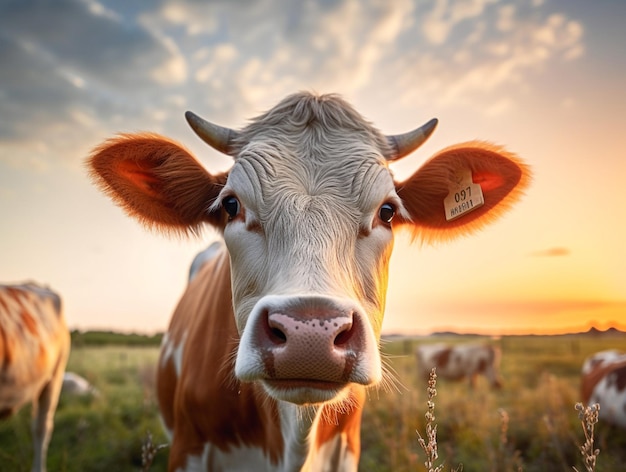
point(461, 189)
point(157, 181)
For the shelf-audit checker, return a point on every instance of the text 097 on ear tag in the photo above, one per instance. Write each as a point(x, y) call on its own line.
point(463, 197)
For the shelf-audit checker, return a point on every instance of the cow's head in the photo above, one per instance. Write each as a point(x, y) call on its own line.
point(308, 212)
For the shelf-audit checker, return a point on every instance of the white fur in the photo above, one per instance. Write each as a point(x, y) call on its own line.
point(171, 350)
point(236, 460)
point(74, 384)
point(334, 456)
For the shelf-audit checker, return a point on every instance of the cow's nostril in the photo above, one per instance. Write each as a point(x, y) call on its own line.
point(274, 330)
point(277, 336)
point(343, 337)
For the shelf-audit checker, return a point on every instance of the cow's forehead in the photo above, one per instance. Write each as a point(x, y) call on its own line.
point(311, 148)
point(310, 162)
point(354, 173)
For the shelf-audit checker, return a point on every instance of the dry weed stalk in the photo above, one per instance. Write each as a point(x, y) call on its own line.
point(430, 448)
point(588, 418)
point(148, 452)
point(506, 458)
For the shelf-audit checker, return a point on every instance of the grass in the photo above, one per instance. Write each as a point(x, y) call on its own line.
point(529, 425)
point(96, 433)
point(534, 413)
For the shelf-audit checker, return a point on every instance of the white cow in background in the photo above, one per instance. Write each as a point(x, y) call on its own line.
point(460, 362)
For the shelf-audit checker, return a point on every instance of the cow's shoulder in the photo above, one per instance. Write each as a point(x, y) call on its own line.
point(200, 344)
point(207, 301)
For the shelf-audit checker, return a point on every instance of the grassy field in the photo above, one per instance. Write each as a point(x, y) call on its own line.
point(529, 425)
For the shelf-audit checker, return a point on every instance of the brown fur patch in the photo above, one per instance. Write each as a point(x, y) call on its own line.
point(347, 422)
point(206, 404)
point(28, 322)
point(589, 381)
point(442, 358)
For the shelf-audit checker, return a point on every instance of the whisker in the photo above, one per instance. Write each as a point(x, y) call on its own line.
point(227, 369)
point(391, 379)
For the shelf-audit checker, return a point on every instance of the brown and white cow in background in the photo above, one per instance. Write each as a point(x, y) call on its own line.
point(34, 347)
point(604, 382)
point(463, 361)
point(269, 353)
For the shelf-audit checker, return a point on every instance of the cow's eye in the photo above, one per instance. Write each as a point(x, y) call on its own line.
point(387, 212)
point(232, 207)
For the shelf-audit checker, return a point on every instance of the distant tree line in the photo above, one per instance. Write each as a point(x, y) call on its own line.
point(104, 338)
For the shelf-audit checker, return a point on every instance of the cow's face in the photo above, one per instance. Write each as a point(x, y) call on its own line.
point(307, 212)
point(308, 228)
point(309, 239)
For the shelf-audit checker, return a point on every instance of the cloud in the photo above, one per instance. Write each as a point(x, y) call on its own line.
point(445, 16)
point(552, 252)
point(21, 82)
point(71, 65)
point(499, 107)
point(192, 15)
point(258, 54)
point(486, 55)
point(89, 39)
point(72, 68)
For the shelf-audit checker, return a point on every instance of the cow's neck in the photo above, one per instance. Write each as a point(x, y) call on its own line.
point(297, 424)
point(239, 423)
point(322, 437)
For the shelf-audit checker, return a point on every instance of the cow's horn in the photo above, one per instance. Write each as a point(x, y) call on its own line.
point(403, 144)
point(216, 136)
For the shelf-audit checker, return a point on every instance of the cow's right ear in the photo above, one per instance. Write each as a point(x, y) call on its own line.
point(157, 181)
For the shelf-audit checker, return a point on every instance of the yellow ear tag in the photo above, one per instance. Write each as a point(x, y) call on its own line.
point(464, 196)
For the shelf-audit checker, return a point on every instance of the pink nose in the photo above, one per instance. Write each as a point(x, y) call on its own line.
point(315, 338)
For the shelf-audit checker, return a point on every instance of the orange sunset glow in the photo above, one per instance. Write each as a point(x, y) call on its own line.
point(544, 78)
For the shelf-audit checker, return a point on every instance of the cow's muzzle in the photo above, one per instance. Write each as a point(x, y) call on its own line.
point(314, 344)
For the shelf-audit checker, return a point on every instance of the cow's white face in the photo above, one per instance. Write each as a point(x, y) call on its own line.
point(309, 241)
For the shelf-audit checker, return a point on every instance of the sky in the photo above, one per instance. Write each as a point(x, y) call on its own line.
point(545, 78)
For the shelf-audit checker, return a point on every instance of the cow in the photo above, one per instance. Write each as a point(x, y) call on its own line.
point(463, 361)
point(603, 381)
point(34, 348)
point(269, 353)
